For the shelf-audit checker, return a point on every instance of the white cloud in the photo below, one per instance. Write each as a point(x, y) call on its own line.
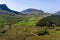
point(1, 2)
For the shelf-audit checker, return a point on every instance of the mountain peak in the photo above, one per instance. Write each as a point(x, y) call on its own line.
point(2, 4)
point(3, 7)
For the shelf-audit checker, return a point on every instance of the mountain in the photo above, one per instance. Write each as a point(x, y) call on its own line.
point(5, 9)
point(35, 12)
point(30, 10)
point(57, 13)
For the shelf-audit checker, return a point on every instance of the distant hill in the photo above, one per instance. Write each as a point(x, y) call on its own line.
point(30, 10)
point(34, 12)
point(57, 13)
point(5, 9)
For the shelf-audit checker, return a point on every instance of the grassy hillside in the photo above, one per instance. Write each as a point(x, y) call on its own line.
point(29, 32)
point(24, 28)
point(30, 20)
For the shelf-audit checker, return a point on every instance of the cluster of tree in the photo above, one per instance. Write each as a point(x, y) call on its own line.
point(53, 20)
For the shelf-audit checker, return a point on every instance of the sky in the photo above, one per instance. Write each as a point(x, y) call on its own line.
point(50, 6)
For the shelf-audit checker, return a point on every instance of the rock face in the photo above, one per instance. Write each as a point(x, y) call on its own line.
point(4, 8)
point(30, 10)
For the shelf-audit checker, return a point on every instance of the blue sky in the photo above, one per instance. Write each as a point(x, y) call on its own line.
point(51, 6)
